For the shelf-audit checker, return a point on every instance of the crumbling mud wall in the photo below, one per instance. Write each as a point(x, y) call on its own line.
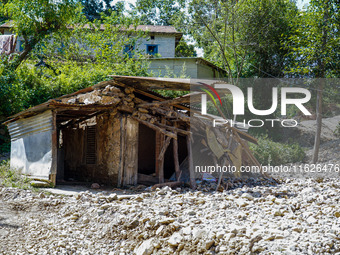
point(105, 165)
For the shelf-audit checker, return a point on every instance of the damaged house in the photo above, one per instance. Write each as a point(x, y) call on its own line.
point(120, 132)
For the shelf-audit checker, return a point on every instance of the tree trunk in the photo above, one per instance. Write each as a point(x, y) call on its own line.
point(23, 56)
point(322, 74)
point(318, 122)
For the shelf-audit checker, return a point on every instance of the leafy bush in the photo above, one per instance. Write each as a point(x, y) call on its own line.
point(337, 130)
point(274, 153)
point(31, 85)
point(5, 147)
point(11, 178)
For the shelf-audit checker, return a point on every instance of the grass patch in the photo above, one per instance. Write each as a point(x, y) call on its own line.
point(11, 178)
point(274, 153)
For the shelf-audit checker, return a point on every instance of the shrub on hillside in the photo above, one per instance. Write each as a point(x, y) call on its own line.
point(274, 153)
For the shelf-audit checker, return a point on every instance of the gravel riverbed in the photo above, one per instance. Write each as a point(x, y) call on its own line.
point(297, 216)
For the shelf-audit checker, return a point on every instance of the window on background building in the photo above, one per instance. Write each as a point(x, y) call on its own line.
point(151, 49)
point(128, 49)
point(152, 37)
point(21, 45)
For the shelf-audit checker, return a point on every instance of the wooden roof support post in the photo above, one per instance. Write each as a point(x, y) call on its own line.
point(156, 128)
point(164, 143)
point(53, 173)
point(130, 176)
point(122, 150)
point(161, 163)
point(230, 141)
point(191, 166)
point(176, 160)
point(158, 146)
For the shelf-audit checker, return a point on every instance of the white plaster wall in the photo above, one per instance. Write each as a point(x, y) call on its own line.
point(166, 45)
point(158, 67)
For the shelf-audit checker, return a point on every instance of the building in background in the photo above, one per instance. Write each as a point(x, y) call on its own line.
point(159, 46)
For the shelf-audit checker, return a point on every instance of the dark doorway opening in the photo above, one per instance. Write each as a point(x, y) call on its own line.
point(147, 156)
point(146, 150)
point(77, 155)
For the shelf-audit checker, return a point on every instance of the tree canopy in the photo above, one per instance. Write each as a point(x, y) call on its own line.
point(62, 52)
point(71, 44)
point(155, 12)
point(93, 9)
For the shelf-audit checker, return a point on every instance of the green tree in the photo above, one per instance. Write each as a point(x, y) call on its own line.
point(315, 50)
point(156, 12)
point(267, 25)
point(243, 37)
point(183, 49)
point(94, 8)
point(36, 20)
point(75, 55)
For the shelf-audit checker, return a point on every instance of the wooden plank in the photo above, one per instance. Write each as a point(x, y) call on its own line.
point(161, 156)
point(122, 150)
point(242, 134)
point(111, 144)
point(174, 129)
point(170, 184)
point(157, 151)
point(178, 100)
point(161, 164)
point(131, 152)
point(145, 93)
point(154, 83)
point(164, 148)
point(230, 141)
point(125, 108)
point(54, 162)
point(175, 154)
point(191, 167)
point(154, 127)
point(159, 98)
point(147, 179)
point(176, 160)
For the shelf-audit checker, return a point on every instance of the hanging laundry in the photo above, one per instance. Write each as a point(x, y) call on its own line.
point(7, 44)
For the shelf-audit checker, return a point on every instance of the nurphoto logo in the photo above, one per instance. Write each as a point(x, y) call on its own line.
point(239, 102)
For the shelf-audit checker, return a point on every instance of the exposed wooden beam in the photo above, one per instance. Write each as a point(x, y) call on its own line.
point(154, 127)
point(176, 160)
point(191, 167)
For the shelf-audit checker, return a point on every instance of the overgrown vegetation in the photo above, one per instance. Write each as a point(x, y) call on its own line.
point(60, 60)
point(274, 153)
point(251, 38)
point(5, 146)
point(337, 130)
point(11, 178)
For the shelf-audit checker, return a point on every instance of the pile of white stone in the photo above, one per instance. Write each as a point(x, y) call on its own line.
point(294, 217)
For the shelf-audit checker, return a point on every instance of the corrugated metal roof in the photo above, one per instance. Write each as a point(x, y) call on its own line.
point(36, 124)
